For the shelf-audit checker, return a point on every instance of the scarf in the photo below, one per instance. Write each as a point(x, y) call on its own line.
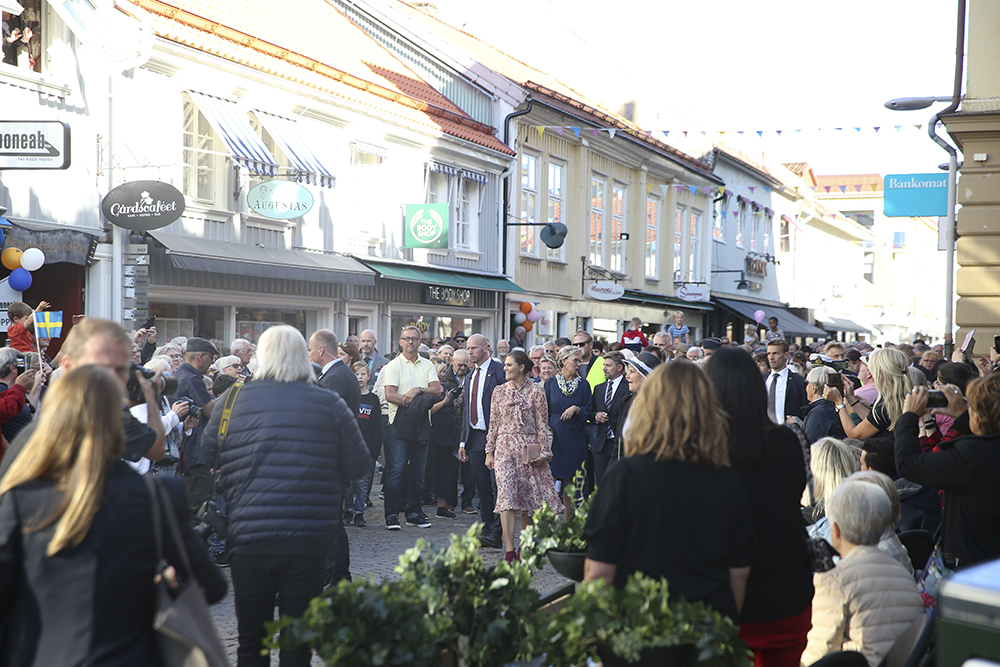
point(568, 387)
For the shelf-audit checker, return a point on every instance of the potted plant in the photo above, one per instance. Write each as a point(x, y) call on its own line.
point(561, 542)
point(640, 624)
point(448, 607)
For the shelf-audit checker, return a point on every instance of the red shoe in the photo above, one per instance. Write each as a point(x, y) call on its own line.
point(509, 556)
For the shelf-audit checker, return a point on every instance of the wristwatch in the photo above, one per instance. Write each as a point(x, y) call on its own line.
point(421, 390)
point(840, 407)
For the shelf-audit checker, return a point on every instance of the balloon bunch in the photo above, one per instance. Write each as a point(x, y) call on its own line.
point(21, 263)
point(528, 315)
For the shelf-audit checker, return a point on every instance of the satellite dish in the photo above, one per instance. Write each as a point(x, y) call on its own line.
point(553, 235)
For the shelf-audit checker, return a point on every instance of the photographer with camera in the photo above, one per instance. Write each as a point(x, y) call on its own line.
point(19, 392)
point(198, 356)
point(171, 415)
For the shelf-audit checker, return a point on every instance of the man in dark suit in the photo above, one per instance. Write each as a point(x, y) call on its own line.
point(338, 378)
point(370, 356)
point(786, 389)
point(608, 398)
point(478, 392)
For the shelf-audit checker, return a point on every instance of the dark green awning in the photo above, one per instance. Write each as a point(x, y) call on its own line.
point(420, 274)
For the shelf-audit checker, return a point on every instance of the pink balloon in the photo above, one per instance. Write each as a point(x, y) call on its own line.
point(520, 318)
point(534, 316)
point(759, 316)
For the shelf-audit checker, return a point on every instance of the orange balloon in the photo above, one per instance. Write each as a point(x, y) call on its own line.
point(11, 258)
point(527, 326)
point(525, 305)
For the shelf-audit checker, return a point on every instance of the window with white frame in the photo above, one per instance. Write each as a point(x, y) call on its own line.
point(755, 228)
point(470, 206)
point(741, 222)
point(785, 234)
point(719, 218)
point(597, 221)
point(367, 155)
point(438, 187)
point(556, 198)
point(202, 163)
point(679, 244)
point(652, 248)
point(530, 185)
point(768, 224)
point(616, 258)
point(694, 248)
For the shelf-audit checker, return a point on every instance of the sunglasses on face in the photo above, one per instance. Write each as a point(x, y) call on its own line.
point(583, 344)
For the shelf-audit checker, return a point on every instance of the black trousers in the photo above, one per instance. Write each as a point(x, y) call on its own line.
point(200, 487)
point(257, 579)
point(602, 460)
point(441, 473)
point(486, 483)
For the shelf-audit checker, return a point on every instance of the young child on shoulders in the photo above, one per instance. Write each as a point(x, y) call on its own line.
point(21, 330)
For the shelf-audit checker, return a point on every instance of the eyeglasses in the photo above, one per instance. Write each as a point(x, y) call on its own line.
point(409, 339)
point(233, 366)
point(583, 344)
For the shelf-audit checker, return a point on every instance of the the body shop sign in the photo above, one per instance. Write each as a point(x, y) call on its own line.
point(280, 200)
point(425, 226)
point(143, 205)
point(605, 290)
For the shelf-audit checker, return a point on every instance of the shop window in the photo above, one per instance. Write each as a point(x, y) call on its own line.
point(25, 51)
point(530, 186)
point(694, 248)
point(174, 320)
point(651, 249)
point(555, 200)
point(616, 255)
point(203, 161)
point(597, 221)
point(251, 321)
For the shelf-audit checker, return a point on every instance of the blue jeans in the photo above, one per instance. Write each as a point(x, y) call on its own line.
point(360, 488)
point(399, 453)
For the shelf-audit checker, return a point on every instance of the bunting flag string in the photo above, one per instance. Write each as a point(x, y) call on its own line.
point(612, 131)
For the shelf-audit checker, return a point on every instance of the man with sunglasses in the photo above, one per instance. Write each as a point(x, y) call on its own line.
point(198, 356)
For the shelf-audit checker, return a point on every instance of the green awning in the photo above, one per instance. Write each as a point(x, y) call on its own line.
point(420, 274)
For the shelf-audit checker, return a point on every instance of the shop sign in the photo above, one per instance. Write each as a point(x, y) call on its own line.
point(426, 226)
point(755, 267)
point(692, 292)
point(143, 205)
point(605, 290)
point(34, 144)
point(7, 296)
point(915, 195)
point(59, 245)
point(280, 200)
point(451, 296)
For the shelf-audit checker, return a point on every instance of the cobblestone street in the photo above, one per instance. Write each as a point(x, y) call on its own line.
point(375, 552)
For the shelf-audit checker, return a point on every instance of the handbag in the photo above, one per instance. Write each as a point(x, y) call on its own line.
point(185, 633)
point(532, 452)
point(929, 581)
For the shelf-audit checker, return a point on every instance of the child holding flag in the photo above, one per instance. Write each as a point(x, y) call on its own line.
point(21, 331)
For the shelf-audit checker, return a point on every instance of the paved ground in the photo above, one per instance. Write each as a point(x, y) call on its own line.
point(375, 552)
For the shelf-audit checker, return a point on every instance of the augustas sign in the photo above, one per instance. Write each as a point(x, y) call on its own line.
point(280, 200)
point(143, 205)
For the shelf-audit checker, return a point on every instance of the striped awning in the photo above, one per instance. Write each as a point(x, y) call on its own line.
point(306, 165)
point(474, 176)
point(438, 168)
point(370, 149)
point(233, 126)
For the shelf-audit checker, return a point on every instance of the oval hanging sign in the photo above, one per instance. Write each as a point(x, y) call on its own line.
point(280, 200)
point(143, 205)
point(605, 290)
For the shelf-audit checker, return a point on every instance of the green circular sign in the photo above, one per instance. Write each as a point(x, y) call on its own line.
point(427, 226)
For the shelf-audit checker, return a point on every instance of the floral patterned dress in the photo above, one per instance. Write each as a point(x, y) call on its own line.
point(519, 415)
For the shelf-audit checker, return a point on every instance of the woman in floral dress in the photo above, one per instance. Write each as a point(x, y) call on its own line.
point(519, 417)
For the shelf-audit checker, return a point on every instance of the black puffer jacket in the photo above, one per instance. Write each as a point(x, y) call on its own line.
point(289, 446)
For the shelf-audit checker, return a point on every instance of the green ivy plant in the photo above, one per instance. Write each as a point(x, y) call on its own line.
point(640, 616)
point(445, 600)
point(549, 532)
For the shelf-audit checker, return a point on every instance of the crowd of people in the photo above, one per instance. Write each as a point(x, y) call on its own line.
point(716, 464)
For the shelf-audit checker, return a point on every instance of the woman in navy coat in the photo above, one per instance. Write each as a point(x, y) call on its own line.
point(569, 400)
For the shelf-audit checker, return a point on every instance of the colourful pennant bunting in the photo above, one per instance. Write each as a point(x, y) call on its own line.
point(576, 131)
point(541, 130)
point(558, 130)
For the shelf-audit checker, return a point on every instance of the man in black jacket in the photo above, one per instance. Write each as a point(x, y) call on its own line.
point(608, 397)
point(786, 389)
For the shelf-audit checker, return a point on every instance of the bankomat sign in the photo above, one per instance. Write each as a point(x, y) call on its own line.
point(915, 195)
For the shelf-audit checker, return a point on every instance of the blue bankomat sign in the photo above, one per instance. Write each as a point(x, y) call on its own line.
point(915, 195)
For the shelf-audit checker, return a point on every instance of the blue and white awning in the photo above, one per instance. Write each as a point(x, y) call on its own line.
point(234, 127)
point(438, 168)
point(474, 176)
point(304, 162)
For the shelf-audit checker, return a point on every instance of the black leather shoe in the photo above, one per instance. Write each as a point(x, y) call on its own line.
point(491, 540)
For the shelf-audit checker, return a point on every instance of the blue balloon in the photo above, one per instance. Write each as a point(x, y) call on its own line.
point(3, 237)
point(20, 280)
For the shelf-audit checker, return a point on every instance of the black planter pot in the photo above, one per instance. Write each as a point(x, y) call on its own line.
point(568, 564)
point(661, 656)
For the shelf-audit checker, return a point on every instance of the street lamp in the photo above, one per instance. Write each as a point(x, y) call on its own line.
point(910, 104)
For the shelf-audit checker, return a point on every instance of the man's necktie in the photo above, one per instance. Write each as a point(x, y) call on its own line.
point(369, 361)
point(473, 406)
point(607, 404)
point(772, 393)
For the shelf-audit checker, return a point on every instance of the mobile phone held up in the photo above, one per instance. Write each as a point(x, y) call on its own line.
point(936, 399)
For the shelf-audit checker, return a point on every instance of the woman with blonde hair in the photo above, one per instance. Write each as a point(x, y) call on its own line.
point(832, 462)
point(569, 403)
point(888, 369)
point(673, 507)
point(76, 535)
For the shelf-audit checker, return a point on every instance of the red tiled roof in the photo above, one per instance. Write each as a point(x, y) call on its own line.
point(313, 44)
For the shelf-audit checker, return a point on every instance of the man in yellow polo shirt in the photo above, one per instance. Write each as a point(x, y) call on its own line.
point(409, 378)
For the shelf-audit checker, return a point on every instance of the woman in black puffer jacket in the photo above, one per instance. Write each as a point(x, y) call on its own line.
point(290, 443)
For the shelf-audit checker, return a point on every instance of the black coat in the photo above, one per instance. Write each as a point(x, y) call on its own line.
point(494, 377)
point(342, 380)
point(613, 409)
point(93, 603)
point(795, 394)
point(821, 421)
point(288, 449)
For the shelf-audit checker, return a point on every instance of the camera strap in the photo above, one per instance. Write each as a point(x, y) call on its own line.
point(227, 412)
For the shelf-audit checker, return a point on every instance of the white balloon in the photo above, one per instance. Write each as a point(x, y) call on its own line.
point(520, 318)
point(32, 259)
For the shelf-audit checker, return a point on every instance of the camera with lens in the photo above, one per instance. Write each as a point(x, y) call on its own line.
point(167, 385)
point(193, 410)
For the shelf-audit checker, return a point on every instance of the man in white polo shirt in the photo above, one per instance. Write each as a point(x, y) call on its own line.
point(408, 378)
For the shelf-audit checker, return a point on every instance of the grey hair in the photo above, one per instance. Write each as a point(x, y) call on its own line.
point(662, 334)
point(162, 350)
point(239, 344)
point(566, 353)
point(861, 510)
point(536, 348)
point(160, 363)
point(884, 482)
point(283, 356)
point(227, 361)
point(8, 360)
point(445, 346)
point(817, 376)
point(917, 376)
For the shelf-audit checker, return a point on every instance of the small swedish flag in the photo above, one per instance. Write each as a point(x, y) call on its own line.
point(48, 324)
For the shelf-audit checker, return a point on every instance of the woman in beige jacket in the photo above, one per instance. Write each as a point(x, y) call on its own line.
point(868, 600)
